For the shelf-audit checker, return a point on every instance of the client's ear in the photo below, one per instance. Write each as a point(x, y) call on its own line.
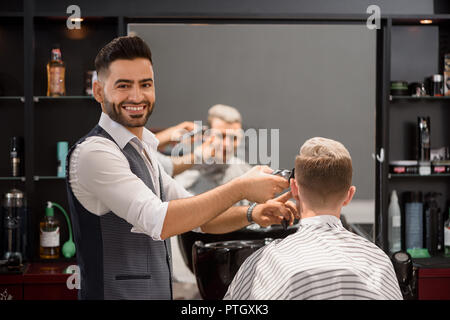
point(350, 193)
point(294, 190)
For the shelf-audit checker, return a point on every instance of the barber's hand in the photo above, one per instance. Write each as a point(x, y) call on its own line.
point(180, 129)
point(273, 211)
point(259, 185)
point(205, 151)
point(173, 134)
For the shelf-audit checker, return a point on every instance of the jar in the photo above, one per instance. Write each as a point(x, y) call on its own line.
point(437, 88)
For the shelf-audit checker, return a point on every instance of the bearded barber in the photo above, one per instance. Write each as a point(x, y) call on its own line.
point(123, 205)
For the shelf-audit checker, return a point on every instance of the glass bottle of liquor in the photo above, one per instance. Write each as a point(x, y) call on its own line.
point(56, 74)
point(49, 235)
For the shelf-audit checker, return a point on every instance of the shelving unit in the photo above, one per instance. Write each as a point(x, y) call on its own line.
point(27, 33)
point(397, 121)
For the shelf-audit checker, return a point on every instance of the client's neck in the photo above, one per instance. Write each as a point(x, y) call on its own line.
point(308, 213)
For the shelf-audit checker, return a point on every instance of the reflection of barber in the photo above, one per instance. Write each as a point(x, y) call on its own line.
point(176, 165)
point(226, 127)
point(124, 207)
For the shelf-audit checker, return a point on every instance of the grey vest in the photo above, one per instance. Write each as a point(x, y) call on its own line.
point(114, 262)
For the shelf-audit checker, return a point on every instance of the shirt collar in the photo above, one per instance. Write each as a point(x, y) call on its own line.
point(321, 219)
point(122, 136)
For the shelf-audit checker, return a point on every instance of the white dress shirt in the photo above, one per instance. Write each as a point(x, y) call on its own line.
point(321, 261)
point(166, 162)
point(102, 181)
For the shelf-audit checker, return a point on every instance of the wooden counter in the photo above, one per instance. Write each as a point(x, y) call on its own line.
point(38, 281)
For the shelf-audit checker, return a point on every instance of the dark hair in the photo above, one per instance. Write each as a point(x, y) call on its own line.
point(127, 47)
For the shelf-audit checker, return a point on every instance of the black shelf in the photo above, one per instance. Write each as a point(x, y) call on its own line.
point(12, 179)
point(425, 98)
point(12, 98)
point(410, 175)
point(62, 98)
point(11, 14)
point(38, 178)
point(414, 20)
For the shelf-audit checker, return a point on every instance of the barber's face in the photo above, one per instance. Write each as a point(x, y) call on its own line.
point(230, 134)
point(127, 92)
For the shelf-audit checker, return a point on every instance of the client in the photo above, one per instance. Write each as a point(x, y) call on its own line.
point(322, 260)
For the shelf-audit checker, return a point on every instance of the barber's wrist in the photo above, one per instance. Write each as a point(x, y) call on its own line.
point(239, 186)
point(250, 212)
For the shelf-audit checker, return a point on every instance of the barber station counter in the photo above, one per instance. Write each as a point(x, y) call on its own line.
point(37, 281)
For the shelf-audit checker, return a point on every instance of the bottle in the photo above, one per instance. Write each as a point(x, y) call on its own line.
point(414, 220)
point(55, 74)
point(15, 154)
point(61, 154)
point(394, 228)
point(432, 213)
point(447, 235)
point(49, 235)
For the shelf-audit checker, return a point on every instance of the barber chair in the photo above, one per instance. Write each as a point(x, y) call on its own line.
point(252, 232)
point(216, 264)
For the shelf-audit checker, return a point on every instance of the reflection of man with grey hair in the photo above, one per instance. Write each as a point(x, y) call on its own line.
point(226, 125)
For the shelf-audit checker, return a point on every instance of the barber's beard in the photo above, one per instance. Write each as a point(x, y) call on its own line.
point(118, 114)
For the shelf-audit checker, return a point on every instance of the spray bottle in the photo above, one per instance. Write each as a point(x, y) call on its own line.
point(394, 228)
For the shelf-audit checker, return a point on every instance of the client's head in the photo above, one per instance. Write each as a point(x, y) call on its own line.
point(323, 177)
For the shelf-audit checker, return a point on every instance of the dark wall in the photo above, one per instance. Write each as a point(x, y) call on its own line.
point(142, 8)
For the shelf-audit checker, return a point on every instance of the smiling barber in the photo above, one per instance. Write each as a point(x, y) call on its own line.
point(123, 205)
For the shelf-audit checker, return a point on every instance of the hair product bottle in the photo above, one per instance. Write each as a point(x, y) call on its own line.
point(414, 220)
point(394, 228)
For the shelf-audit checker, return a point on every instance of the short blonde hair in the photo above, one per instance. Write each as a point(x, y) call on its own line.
point(226, 113)
point(323, 170)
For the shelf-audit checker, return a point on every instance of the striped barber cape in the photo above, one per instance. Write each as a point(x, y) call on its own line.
point(322, 261)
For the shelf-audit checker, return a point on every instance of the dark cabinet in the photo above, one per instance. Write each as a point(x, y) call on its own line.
point(411, 51)
point(38, 281)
